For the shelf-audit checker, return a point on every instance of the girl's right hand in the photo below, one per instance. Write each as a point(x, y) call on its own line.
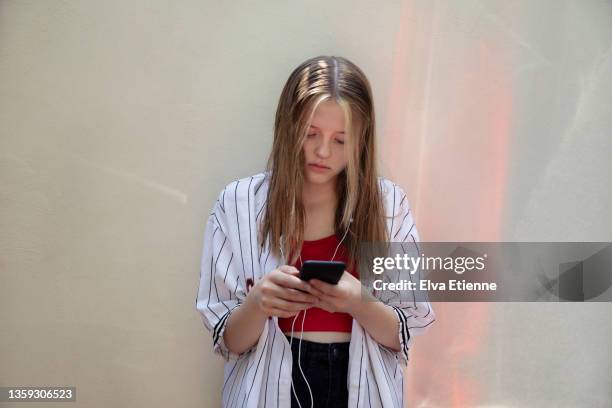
point(278, 293)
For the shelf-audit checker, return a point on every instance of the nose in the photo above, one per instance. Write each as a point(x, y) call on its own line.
point(323, 149)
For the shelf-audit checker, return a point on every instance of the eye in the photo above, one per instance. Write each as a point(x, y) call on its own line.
point(339, 141)
point(311, 135)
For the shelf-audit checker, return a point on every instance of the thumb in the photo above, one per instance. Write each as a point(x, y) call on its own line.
point(292, 270)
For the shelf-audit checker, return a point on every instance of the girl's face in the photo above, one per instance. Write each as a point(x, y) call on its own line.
point(324, 147)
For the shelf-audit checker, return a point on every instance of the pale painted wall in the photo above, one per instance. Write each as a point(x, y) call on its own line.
point(120, 121)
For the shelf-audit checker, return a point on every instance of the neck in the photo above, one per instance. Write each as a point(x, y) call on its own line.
point(319, 195)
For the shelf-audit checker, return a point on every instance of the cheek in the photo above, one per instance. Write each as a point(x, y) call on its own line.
point(308, 147)
point(341, 159)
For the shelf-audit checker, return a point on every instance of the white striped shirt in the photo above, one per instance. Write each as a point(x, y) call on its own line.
point(261, 376)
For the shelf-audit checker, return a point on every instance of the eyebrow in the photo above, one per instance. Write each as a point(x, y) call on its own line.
point(313, 126)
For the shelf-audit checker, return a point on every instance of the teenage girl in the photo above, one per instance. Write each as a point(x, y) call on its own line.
point(320, 197)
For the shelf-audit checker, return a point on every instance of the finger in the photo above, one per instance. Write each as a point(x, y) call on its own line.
point(289, 305)
point(292, 295)
point(291, 281)
point(298, 296)
point(326, 288)
point(316, 292)
point(291, 270)
point(281, 313)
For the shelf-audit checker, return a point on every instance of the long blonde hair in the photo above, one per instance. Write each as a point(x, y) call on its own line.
point(315, 80)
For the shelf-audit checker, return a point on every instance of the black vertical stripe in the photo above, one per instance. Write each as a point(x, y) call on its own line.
point(260, 249)
point(198, 292)
point(243, 363)
point(223, 200)
point(268, 362)
point(280, 374)
point(241, 383)
point(225, 318)
point(415, 244)
point(369, 393)
point(249, 363)
point(426, 296)
point(256, 370)
point(402, 388)
point(220, 324)
point(393, 213)
point(410, 277)
point(404, 330)
point(402, 223)
point(403, 198)
point(250, 231)
point(220, 206)
point(239, 236)
point(385, 370)
point(229, 376)
point(260, 211)
point(262, 181)
point(214, 214)
point(226, 271)
point(266, 261)
point(212, 276)
point(402, 323)
point(408, 233)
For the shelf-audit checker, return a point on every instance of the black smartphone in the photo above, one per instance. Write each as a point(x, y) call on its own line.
point(326, 271)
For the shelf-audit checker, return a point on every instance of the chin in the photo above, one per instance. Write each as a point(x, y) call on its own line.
point(316, 178)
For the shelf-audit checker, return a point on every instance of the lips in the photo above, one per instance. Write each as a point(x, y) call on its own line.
point(320, 166)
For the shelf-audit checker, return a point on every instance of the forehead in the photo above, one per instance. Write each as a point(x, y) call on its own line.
point(329, 116)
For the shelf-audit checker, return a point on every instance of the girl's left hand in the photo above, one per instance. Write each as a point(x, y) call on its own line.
point(342, 297)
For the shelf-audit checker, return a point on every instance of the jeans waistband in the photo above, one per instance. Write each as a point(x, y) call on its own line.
point(314, 346)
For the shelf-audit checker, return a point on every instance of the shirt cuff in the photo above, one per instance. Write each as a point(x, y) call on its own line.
point(219, 345)
point(403, 335)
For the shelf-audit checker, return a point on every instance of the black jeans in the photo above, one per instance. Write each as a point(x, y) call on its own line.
point(325, 366)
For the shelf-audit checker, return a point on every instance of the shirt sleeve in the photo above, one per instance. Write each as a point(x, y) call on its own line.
point(221, 288)
point(414, 317)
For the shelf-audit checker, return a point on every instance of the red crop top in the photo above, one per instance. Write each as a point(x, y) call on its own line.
point(318, 319)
